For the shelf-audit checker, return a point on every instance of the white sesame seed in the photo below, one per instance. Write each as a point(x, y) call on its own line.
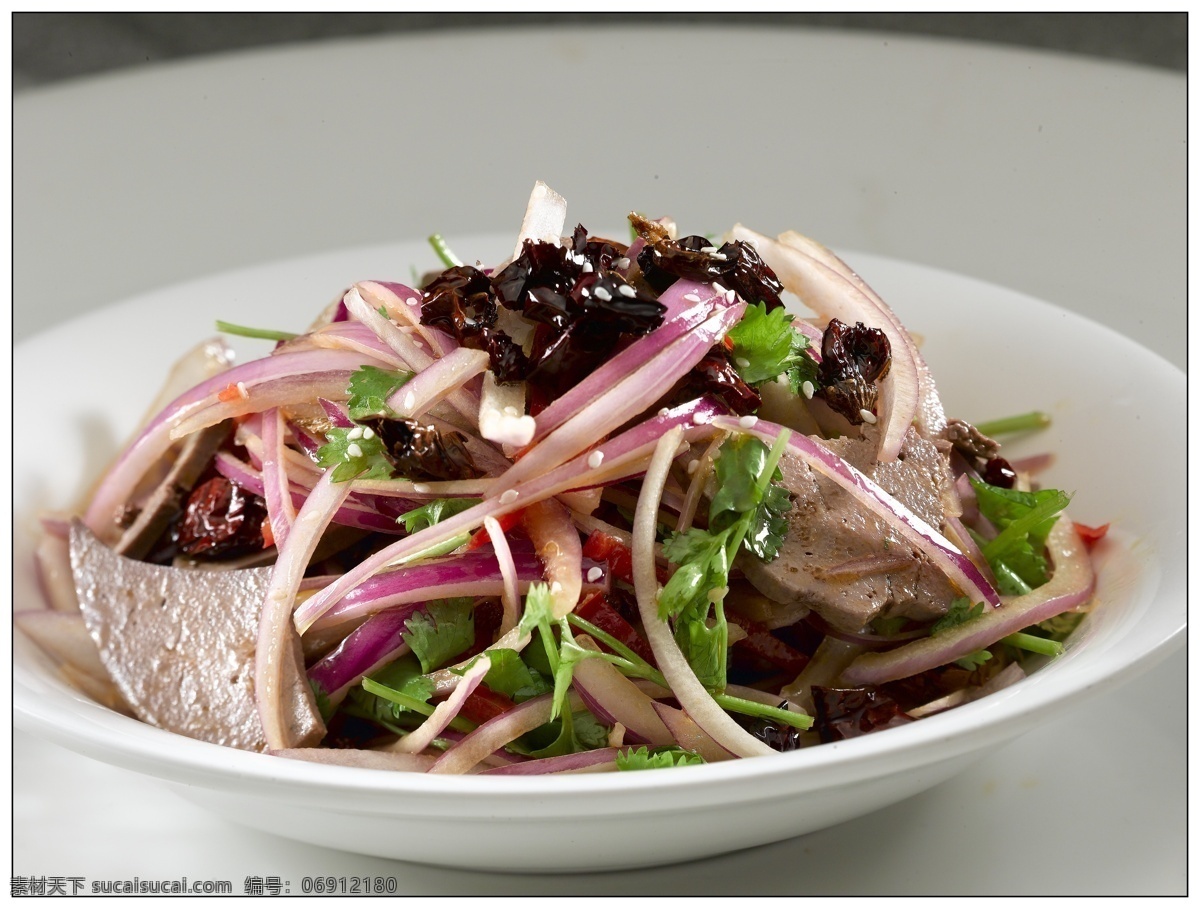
point(621, 263)
point(584, 292)
point(663, 412)
point(368, 432)
point(508, 496)
point(691, 297)
point(241, 387)
point(355, 433)
point(658, 593)
point(742, 362)
point(730, 296)
point(626, 291)
point(808, 390)
point(718, 288)
point(413, 301)
point(594, 574)
point(602, 294)
point(595, 459)
point(708, 249)
point(587, 268)
point(693, 466)
point(420, 487)
point(353, 451)
point(409, 401)
point(867, 416)
point(556, 587)
point(748, 421)
point(720, 257)
point(699, 419)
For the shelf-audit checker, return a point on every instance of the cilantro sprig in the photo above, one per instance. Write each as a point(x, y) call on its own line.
point(356, 452)
point(644, 758)
point(370, 387)
point(434, 512)
point(766, 346)
point(747, 510)
point(444, 630)
point(1017, 553)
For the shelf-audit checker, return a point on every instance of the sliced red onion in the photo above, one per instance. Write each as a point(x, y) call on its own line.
point(56, 524)
point(1071, 586)
point(276, 492)
point(498, 732)
point(275, 634)
point(154, 441)
point(596, 760)
point(404, 305)
point(687, 734)
point(935, 547)
point(422, 737)
point(510, 597)
point(832, 294)
point(351, 514)
point(471, 574)
point(373, 644)
point(691, 694)
point(350, 336)
point(623, 401)
point(354, 757)
point(336, 413)
point(692, 312)
point(437, 381)
point(612, 698)
point(620, 457)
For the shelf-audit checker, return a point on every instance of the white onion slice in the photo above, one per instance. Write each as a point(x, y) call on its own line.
point(502, 417)
point(510, 598)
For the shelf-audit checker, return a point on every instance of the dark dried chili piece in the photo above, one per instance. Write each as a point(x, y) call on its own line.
point(845, 713)
point(770, 732)
point(998, 472)
point(736, 266)
point(221, 520)
point(459, 301)
point(716, 375)
point(422, 452)
point(853, 359)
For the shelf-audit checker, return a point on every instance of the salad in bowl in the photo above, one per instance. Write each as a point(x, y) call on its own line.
point(607, 505)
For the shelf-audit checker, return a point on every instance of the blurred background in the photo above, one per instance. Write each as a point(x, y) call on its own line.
point(48, 47)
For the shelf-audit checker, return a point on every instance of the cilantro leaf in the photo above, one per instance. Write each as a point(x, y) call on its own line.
point(369, 389)
point(643, 758)
point(766, 346)
point(395, 697)
point(432, 512)
point(960, 611)
point(350, 454)
point(768, 524)
point(1024, 520)
point(510, 676)
point(444, 630)
point(573, 732)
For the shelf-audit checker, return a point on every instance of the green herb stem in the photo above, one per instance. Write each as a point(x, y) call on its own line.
point(1034, 644)
point(243, 331)
point(1024, 422)
point(438, 242)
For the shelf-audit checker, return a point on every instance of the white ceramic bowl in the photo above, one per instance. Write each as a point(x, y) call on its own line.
point(1118, 434)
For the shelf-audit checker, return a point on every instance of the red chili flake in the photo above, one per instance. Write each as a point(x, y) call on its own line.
point(761, 644)
point(484, 704)
point(1090, 535)
point(506, 521)
point(596, 609)
point(229, 393)
point(600, 547)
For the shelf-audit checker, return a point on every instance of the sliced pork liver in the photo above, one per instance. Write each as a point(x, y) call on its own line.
point(179, 644)
point(842, 561)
